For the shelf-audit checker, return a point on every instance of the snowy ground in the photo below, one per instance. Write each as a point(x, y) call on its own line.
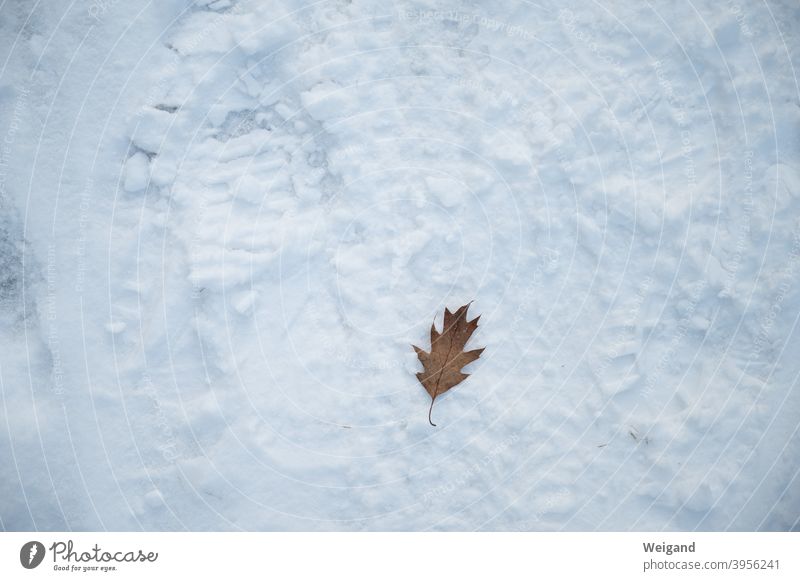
point(222, 224)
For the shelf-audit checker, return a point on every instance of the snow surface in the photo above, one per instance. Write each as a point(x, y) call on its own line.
point(225, 222)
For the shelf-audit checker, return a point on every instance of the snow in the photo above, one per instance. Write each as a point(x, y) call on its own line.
point(224, 223)
point(136, 172)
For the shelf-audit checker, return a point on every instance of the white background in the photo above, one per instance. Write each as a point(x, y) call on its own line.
point(357, 556)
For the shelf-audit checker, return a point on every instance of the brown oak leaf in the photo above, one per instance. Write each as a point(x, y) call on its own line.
point(442, 366)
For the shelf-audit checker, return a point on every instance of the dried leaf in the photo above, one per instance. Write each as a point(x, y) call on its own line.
point(442, 366)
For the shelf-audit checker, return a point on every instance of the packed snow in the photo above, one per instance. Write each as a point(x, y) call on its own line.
point(224, 223)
